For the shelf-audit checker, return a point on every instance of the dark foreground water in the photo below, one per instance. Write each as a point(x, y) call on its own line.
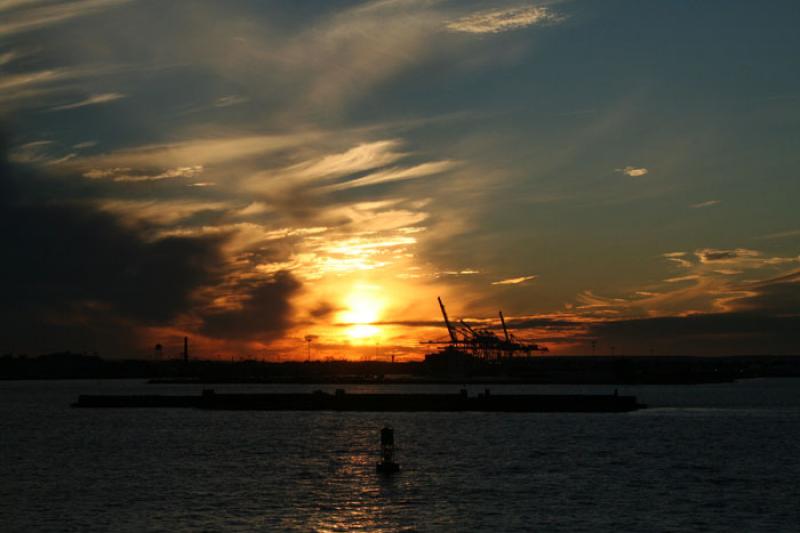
point(704, 458)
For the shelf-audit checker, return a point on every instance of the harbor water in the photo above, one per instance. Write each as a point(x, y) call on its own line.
point(721, 457)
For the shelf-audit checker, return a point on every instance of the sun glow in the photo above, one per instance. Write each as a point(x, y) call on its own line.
point(363, 331)
point(363, 307)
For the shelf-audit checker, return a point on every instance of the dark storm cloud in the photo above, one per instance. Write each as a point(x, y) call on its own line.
point(264, 315)
point(68, 252)
point(74, 277)
point(77, 278)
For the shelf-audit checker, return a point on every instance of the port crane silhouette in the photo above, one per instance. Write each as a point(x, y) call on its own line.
point(483, 343)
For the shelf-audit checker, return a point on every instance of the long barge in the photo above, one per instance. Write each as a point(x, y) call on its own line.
point(341, 401)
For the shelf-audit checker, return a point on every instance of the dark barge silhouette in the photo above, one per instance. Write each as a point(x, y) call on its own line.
point(341, 401)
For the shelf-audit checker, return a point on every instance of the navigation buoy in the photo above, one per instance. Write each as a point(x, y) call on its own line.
point(387, 464)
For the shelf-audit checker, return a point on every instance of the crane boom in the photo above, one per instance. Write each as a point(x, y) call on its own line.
point(505, 329)
point(472, 331)
point(450, 329)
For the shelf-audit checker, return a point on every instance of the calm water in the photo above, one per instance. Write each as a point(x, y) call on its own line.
point(708, 457)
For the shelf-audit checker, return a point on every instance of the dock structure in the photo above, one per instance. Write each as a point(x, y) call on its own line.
point(341, 401)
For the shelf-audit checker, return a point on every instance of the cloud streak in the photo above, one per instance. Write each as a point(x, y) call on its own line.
point(707, 203)
point(633, 172)
point(20, 16)
point(95, 99)
point(502, 20)
point(364, 156)
point(395, 174)
point(192, 153)
point(124, 174)
point(514, 281)
point(782, 234)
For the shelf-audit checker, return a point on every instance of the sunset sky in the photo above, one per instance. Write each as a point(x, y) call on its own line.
point(248, 173)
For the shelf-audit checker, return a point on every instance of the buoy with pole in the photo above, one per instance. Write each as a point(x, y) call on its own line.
point(387, 464)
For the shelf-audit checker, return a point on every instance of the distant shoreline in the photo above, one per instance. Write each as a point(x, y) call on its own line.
point(578, 370)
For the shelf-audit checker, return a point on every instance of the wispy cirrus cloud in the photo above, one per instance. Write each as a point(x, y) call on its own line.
point(514, 281)
point(727, 271)
point(42, 88)
point(32, 152)
point(365, 164)
point(678, 279)
point(230, 100)
point(25, 15)
point(14, 82)
point(124, 174)
point(501, 20)
point(678, 258)
point(707, 203)
point(395, 174)
point(727, 262)
point(193, 152)
point(43, 152)
point(708, 255)
point(94, 99)
point(8, 57)
point(710, 282)
point(162, 212)
point(84, 144)
point(463, 272)
point(741, 258)
point(741, 316)
point(782, 234)
point(364, 156)
point(352, 51)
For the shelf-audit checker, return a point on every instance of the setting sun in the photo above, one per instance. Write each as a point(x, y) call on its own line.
point(362, 307)
point(363, 331)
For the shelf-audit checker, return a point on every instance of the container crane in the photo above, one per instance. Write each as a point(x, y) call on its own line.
point(483, 343)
